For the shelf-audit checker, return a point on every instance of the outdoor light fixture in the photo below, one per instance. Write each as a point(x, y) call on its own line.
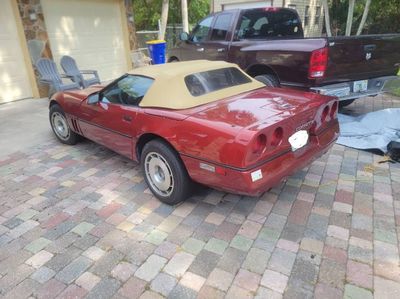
point(32, 15)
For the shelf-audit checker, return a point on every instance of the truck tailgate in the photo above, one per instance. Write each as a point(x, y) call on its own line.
point(362, 57)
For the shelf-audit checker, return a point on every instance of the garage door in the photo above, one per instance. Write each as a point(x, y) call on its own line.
point(14, 80)
point(90, 31)
point(254, 4)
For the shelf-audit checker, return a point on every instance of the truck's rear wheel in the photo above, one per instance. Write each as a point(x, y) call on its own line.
point(345, 103)
point(173, 59)
point(268, 80)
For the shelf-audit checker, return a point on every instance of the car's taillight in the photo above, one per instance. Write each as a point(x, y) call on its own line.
point(276, 138)
point(318, 63)
point(324, 114)
point(334, 109)
point(259, 144)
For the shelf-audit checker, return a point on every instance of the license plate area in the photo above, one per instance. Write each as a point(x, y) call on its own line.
point(360, 86)
point(298, 139)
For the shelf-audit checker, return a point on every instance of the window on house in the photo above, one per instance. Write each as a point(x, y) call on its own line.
point(317, 15)
point(307, 16)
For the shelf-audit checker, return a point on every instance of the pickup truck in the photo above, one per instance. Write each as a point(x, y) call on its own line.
point(269, 44)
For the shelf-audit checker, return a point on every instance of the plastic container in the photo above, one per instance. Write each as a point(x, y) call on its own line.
point(157, 51)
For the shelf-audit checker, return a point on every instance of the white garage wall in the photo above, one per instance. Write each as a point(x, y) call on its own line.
point(244, 5)
point(90, 31)
point(14, 80)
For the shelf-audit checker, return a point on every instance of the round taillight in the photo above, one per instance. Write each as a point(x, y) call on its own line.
point(259, 144)
point(334, 109)
point(325, 113)
point(277, 136)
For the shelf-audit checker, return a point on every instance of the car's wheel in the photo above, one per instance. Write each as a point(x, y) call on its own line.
point(165, 173)
point(345, 103)
point(60, 126)
point(268, 80)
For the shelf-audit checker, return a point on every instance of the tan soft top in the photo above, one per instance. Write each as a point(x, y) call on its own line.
point(169, 89)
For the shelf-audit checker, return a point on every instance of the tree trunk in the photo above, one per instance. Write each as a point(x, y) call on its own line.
point(327, 19)
point(185, 17)
point(164, 19)
point(364, 17)
point(349, 22)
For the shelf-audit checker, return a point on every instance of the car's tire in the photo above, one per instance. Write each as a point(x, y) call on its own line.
point(345, 103)
point(165, 173)
point(60, 126)
point(268, 80)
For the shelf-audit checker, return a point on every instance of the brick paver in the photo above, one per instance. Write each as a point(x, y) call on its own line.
point(80, 222)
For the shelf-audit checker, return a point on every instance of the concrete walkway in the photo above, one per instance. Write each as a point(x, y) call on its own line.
point(23, 124)
point(80, 222)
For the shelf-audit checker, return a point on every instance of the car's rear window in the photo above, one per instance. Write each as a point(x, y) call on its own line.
point(264, 24)
point(205, 82)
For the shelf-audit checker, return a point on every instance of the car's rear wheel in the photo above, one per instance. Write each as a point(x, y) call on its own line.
point(60, 126)
point(165, 173)
point(268, 80)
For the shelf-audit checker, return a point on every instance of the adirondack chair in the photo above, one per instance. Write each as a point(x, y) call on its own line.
point(49, 75)
point(70, 68)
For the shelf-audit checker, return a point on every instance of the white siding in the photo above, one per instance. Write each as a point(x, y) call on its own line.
point(14, 80)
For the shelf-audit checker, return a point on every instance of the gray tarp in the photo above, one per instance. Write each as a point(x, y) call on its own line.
point(373, 130)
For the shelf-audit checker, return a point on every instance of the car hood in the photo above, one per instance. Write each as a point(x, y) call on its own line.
point(264, 105)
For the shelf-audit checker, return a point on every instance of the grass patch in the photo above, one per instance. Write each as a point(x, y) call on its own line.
point(394, 86)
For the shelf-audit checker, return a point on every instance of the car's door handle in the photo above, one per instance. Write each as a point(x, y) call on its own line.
point(221, 50)
point(127, 118)
point(200, 49)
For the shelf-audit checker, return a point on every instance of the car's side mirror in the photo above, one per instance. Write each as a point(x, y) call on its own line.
point(94, 98)
point(184, 36)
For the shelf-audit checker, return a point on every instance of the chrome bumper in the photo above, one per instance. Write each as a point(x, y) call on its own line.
point(344, 91)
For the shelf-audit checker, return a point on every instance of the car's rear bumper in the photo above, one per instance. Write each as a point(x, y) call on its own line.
point(273, 171)
point(345, 91)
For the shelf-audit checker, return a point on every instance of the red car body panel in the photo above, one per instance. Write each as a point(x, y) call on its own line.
point(217, 134)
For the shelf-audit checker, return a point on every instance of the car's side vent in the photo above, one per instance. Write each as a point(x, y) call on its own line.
point(75, 126)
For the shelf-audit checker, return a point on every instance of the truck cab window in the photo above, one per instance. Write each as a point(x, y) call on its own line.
point(259, 24)
point(221, 27)
point(200, 32)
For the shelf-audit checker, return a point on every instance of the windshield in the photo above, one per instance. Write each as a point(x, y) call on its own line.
point(205, 82)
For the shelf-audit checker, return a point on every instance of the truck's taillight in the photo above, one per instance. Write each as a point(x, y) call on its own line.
point(318, 63)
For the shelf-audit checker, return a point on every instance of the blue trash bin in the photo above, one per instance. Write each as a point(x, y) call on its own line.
point(157, 50)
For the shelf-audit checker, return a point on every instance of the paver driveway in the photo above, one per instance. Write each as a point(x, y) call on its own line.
point(80, 222)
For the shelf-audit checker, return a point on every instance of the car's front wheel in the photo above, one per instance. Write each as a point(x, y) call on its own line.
point(60, 126)
point(165, 173)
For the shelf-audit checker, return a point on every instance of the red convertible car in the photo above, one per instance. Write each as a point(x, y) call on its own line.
point(200, 121)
